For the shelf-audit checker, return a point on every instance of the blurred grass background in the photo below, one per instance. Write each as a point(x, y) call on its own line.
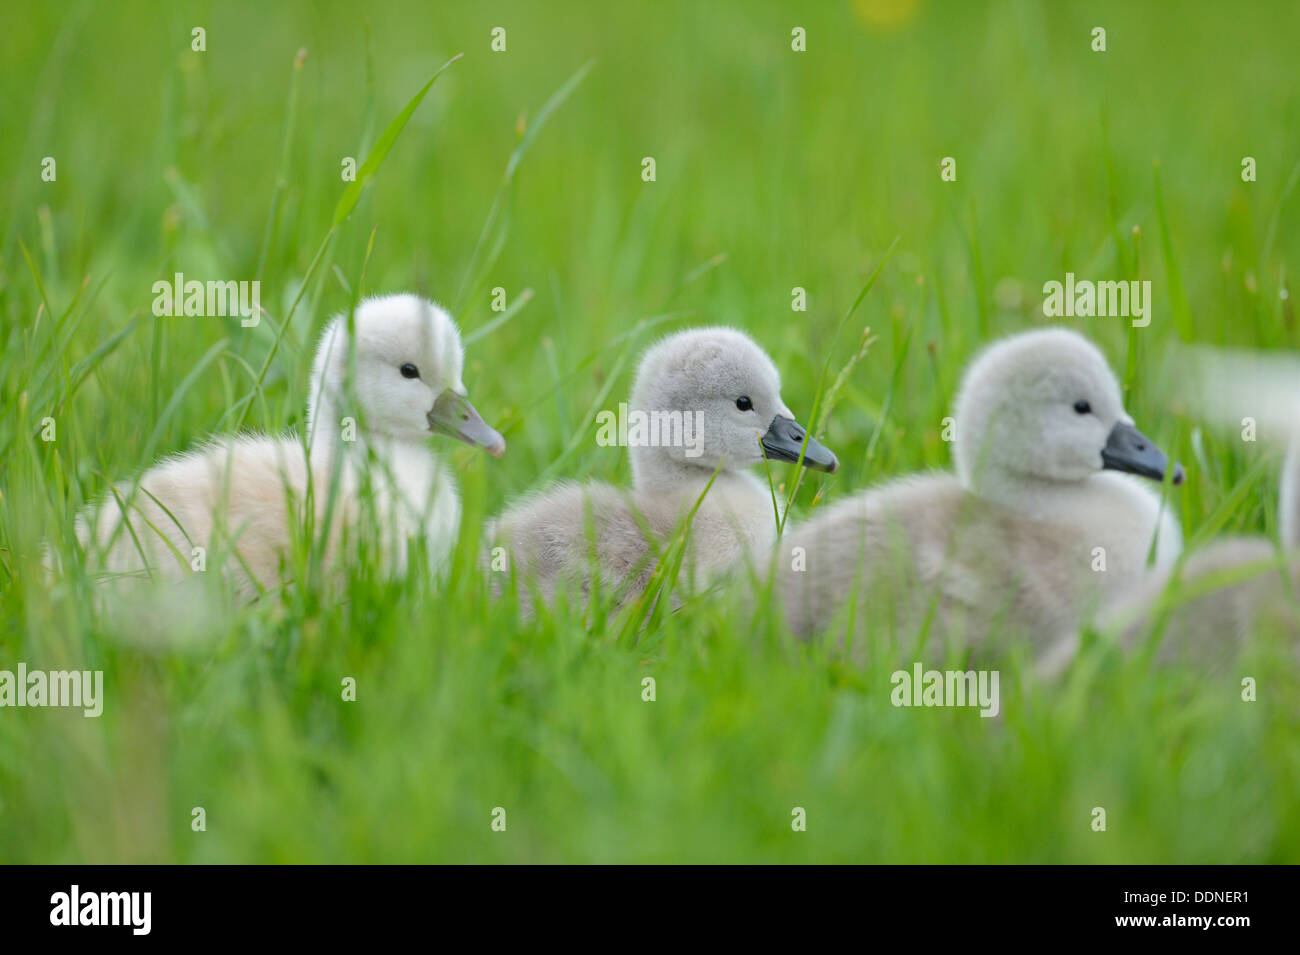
point(775, 169)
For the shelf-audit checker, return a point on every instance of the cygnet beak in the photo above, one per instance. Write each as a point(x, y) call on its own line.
point(453, 415)
point(1128, 449)
point(784, 441)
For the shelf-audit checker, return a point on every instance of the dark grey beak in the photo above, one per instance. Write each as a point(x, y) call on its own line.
point(1128, 449)
point(453, 415)
point(785, 439)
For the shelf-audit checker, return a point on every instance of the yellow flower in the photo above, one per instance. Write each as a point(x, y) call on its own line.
point(885, 14)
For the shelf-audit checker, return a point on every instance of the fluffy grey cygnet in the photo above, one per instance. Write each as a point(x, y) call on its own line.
point(726, 393)
point(248, 494)
point(1036, 529)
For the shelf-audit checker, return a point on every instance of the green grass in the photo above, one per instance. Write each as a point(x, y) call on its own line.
point(522, 171)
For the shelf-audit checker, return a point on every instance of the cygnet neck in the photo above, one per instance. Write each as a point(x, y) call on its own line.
point(1046, 499)
point(325, 437)
point(654, 472)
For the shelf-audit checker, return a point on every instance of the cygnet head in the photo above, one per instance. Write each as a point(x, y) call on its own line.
point(407, 381)
point(1045, 405)
point(726, 393)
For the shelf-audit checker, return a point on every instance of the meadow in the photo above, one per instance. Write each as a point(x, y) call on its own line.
point(522, 170)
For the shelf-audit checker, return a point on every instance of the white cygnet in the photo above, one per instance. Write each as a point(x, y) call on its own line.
point(1036, 527)
point(366, 469)
point(704, 399)
point(1210, 606)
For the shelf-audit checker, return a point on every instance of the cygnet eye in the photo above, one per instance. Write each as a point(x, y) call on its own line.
point(744, 404)
point(1082, 407)
point(410, 371)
